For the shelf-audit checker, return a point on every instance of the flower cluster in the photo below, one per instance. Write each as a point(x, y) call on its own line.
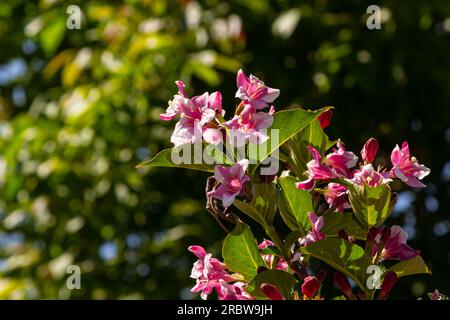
point(334, 203)
point(211, 274)
point(341, 164)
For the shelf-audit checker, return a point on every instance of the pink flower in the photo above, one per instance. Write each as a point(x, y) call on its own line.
point(325, 118)
point(265, 244)
point(436, 295)
point(235, 291)
point(208, 272)
point(269, 258)
point(247, 126)
point(367, 175)
point(407, 168)
point(316, 171)
point(314, 234)
point(232, 180)
point(196, 115)
point(370, 150)
point(395, 247)
point(341, 160)
point(336, 196)
point(310, 286)
point(254, 92)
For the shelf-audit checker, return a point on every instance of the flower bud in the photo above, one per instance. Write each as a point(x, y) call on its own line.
point(372, 234)
point(321, 275)
point(310, 286)
point(271, 291)
point(370, 150)
point(325, 119)
point(343, 234)
point(389, 280)
point(341, 282)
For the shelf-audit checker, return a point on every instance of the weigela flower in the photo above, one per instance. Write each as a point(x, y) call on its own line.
point(370, 150)
point(342, 283)
point(395, 247)
point(269, 258)
point(232, 180)
point(369, 176)
point(336, 196)
point(310, 286)
point(234, 291)
point(314, 234)
point(208, 272)
point(196, 117)
point(341, 160)
point(247, 125)
point(316, 171)
point(389, 280)
point(325, 118)
point(253, 91)
point(407, 168)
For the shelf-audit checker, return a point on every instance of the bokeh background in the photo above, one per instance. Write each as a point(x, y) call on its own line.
point(79, 109)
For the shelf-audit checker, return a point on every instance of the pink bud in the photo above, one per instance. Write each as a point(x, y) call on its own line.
point(343, 234)
point(325, 118)
point(321, 275)
point(310, 286)
point(271, 291)
point(389, 280)
point(342, 282)
point(372, 234)
point(370, 150)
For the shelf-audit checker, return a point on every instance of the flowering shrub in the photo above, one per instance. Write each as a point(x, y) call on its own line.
point(334, 204)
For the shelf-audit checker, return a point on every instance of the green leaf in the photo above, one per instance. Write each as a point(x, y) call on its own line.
point(264, 200)
point(249, 210)
point(344, 256)
point(314, 136)
point(371, 205)
point(297, 202)
point(53, 33)
point(282, 280)
point(412, 266)
point(240, 252)
point(286, 124)
point(335, 221)
point(190, 156)
point(291, 238)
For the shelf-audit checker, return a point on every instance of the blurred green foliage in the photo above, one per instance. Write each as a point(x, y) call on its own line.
point(79, 109)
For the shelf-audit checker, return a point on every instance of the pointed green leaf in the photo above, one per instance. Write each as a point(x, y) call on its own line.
point(412, 266)
point(344, 256)
point(286, 123)
point(249, 210)
point(371, 205)
point(335, 221)
point(240, 252)
point(297, 203)
point(200, 157)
